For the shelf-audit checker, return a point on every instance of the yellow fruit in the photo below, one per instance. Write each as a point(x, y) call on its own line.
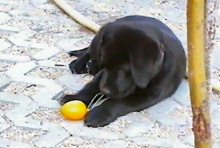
point(74, 110)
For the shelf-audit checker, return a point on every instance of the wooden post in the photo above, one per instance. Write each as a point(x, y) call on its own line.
point(197, 73)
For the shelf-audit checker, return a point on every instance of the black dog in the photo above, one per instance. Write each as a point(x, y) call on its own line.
point(137, 62)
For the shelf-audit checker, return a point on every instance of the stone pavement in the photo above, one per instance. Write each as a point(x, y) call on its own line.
point(35, 35)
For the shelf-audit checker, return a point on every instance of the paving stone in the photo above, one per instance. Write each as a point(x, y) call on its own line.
point(52, 138)
point(67, 44)
point(48, 93)
point(161, 112)
point(215, 56)
point(19, 39)
point(135, 116)
point(22, 24)
point(46, 115)
point(21, 88)
point(46, 53)
point(50, 90)
point(14, 58)
point(46, 72)
point(17, 73)
point(21, 134)
point(116, 144)
point(146, 141)
point(13, 144)
point(138, 128)
point(4, 44)
point(4, 81)
point(50, 63)
point(9, 29)
point(72, 82)
point(78, 129)
point(182, 95)
point(20, 51)
point(24, 107)
point(43, 27)
point(215, 114)
point(3, 124)
point(82, 142)
point(189, 139)
point(4, 17)
point(38, 2)
point(144, 4)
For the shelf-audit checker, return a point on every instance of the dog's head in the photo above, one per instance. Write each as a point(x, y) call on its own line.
point(130, 58)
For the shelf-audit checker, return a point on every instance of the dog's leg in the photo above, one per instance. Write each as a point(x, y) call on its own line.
point(78, 53)
point(83, 64)
point(111, 109)
point(92, 67)
point(87, 93)
point(79, 65)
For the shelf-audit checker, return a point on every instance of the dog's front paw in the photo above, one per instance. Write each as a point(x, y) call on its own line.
point(66, 99)
point(92, 67)
point(99, 117)
point(77, 67)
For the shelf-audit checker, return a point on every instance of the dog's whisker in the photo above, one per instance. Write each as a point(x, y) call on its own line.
point(90, 106)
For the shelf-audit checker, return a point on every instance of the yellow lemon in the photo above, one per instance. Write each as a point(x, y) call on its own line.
point(74, 110)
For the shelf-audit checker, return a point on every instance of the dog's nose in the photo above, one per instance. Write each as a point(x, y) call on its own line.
point(105, 90)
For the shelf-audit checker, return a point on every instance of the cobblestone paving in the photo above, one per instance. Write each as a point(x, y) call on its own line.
point(35, 35)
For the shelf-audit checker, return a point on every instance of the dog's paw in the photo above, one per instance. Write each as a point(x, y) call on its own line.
point(78, 53)
point(66, 99)
point(99, 117)
point(73, 53)
point(77, 67)
point(92, 67)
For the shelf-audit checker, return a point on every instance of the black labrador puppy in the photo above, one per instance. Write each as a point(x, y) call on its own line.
point(136, 61)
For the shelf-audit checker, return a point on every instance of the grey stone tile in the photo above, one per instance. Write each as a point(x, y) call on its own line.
point(182, 95)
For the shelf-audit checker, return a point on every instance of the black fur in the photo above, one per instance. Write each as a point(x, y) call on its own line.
point(137, 62)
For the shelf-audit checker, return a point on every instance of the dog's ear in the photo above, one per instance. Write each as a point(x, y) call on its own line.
point(94, 48)
point(101, 38)
point(146, 61)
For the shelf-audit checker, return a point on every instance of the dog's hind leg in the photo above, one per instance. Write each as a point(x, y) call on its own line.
point(78, 53)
